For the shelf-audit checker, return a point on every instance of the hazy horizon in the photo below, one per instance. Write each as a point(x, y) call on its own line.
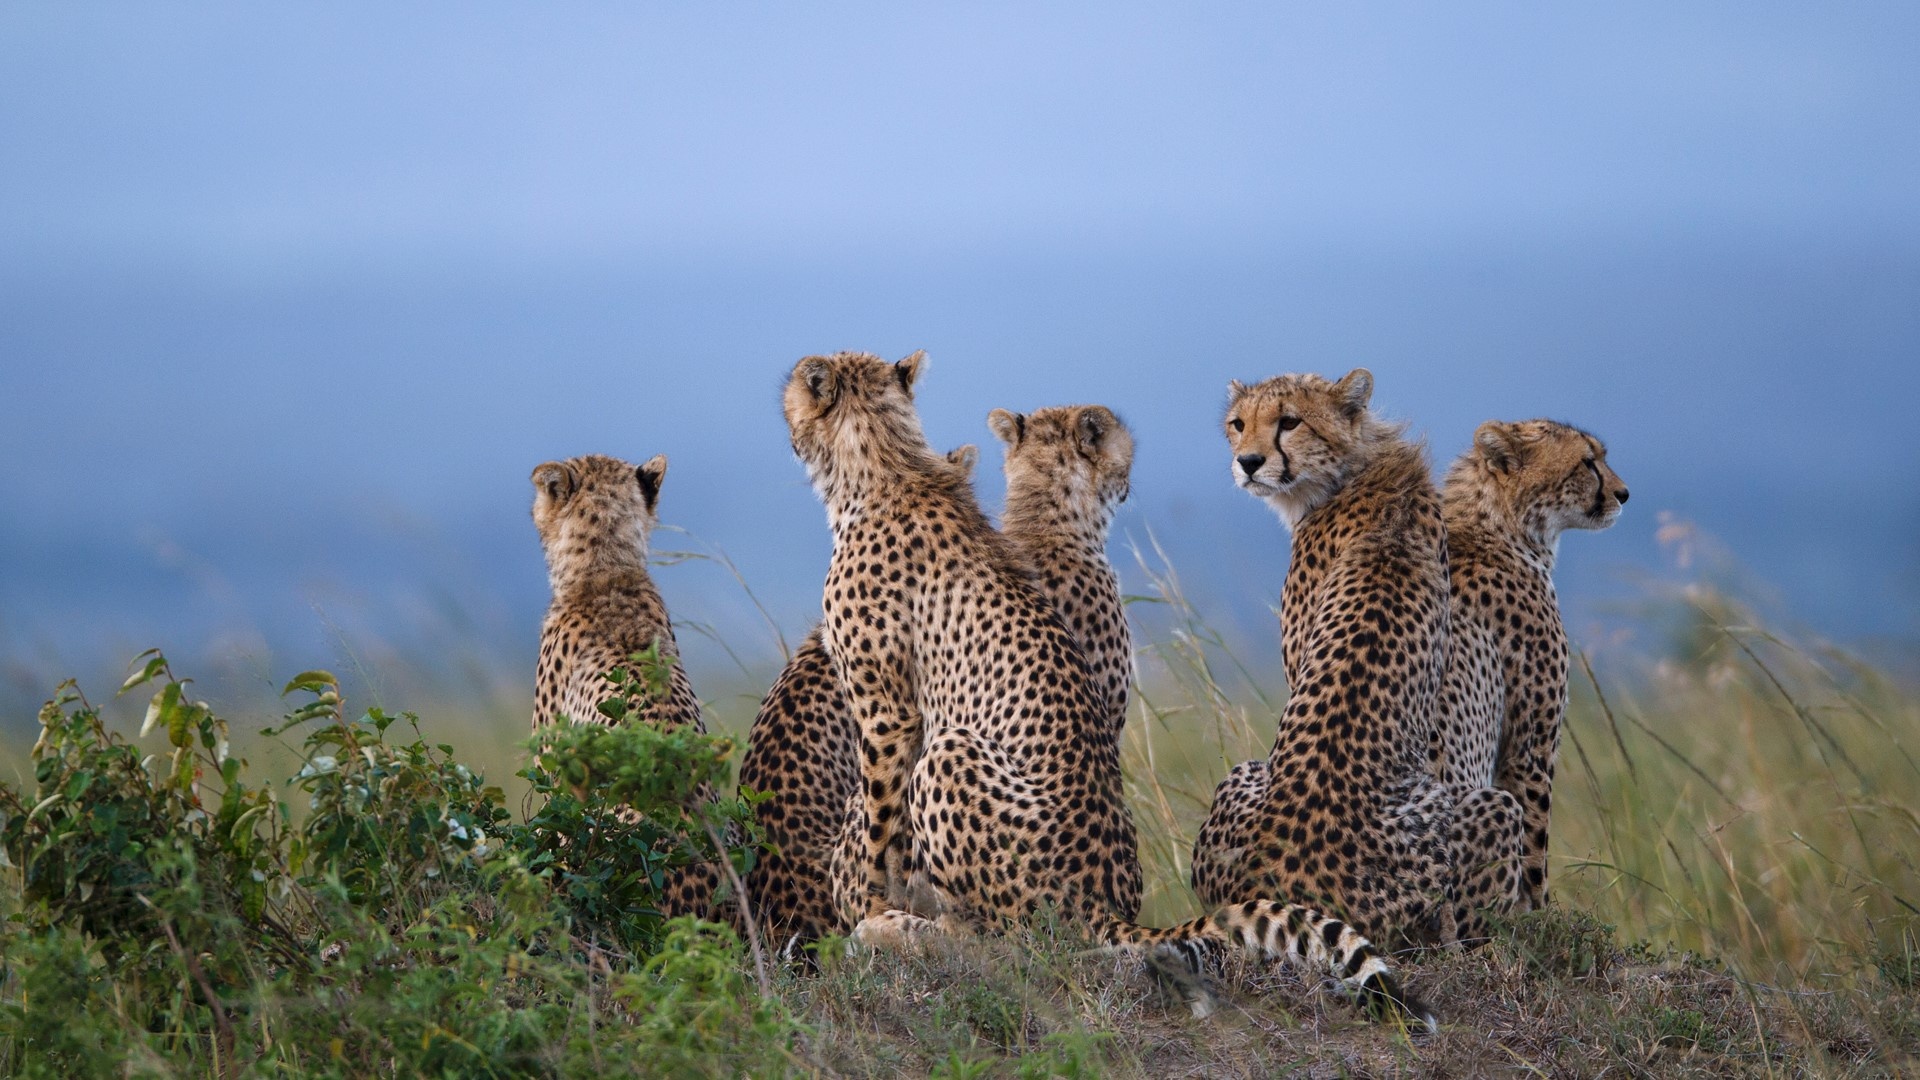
point(292, 301)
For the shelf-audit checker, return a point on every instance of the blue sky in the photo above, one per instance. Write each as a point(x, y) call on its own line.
point(293, 299)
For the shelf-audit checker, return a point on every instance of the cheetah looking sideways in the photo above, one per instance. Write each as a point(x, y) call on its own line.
point(1345, 812)
point(594, 515)
point(990, 775)
point(1507, 500)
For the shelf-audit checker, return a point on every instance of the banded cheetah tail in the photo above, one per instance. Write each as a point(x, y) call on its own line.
point(1291, 932)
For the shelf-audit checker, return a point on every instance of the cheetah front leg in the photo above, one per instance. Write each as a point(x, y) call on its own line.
point(880, 698)
point(1484, 843)
point(1526, 771)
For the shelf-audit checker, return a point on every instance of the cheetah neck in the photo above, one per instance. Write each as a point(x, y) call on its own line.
point(872, 466)
point(1385, 473)
point(1477, 516)
point(1041, 517)
point(855, 490)
point(579, 565)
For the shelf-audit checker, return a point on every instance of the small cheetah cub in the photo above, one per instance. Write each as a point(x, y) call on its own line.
point(595, 514)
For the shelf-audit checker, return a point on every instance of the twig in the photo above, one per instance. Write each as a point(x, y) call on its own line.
point(224, 1039)
point(746, 914)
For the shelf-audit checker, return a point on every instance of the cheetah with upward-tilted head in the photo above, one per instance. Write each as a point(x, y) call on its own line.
point(594, 515)
point(803, 755)
point(990, 775)
point(1345, 812)
point(1507, 500)
point(1067, 469)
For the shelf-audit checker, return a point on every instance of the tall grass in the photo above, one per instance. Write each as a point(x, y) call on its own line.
point(1740, 795)
point(1742, 806)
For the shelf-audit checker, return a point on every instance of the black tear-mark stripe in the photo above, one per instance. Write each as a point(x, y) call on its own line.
point(1599, 490)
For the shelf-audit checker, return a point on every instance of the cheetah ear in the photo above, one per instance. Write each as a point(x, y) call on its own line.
point(817, 376)
point(964, 458)
point(1235, 388)
point(1496, 443)
point(909, 368)
point(650, 475)
point(1095, 422)
point(1009, 427)
point(1353, 391)
point(555, 480)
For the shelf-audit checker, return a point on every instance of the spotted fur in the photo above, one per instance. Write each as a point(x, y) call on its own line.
point(595, 515)
point(803, 754)
point(1345, 813)
point(1507, 500)
point(990, 775)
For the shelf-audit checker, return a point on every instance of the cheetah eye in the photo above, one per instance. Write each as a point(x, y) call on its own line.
point(1288, 423)
point(1237, 424)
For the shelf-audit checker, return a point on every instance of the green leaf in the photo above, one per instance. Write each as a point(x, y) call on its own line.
point(152, 667)
point(180, 723)
point(314, 681)
point(160, 710)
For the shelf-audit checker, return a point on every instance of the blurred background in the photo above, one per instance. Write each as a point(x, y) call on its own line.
point(292, 300)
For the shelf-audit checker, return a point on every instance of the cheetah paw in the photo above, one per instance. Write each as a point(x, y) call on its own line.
point(892, 930)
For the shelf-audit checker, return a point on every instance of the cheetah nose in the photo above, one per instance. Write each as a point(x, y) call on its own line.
point(1620, 496)
point(1250, 463)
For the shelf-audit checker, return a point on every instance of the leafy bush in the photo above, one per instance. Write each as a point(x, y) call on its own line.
point(173, 916)
point(609, 863)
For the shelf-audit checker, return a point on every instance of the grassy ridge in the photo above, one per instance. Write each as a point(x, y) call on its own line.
point(1735, 835)
point(1743, 797)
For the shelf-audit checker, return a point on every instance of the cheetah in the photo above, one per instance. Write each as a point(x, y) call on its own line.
point(594, 515)
point(990, 776)
point(1067, 468)
point(803, 755)
point(1506, 502)
point(1345, 813)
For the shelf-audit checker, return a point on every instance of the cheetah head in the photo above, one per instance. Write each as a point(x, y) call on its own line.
point(852, 413)
point(1296, 439)
point(1548, 476)
point(1076, 457)
point(596, 506)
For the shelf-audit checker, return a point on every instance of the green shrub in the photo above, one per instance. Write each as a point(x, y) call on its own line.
point(173, 917)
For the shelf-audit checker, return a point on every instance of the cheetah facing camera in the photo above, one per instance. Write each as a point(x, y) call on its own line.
point(594, 514)
point(803, 754)
point(1507, 500)
point(1344, 812)
point(990, 778)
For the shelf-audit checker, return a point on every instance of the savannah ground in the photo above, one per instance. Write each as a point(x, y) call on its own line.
point(1736, 828)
